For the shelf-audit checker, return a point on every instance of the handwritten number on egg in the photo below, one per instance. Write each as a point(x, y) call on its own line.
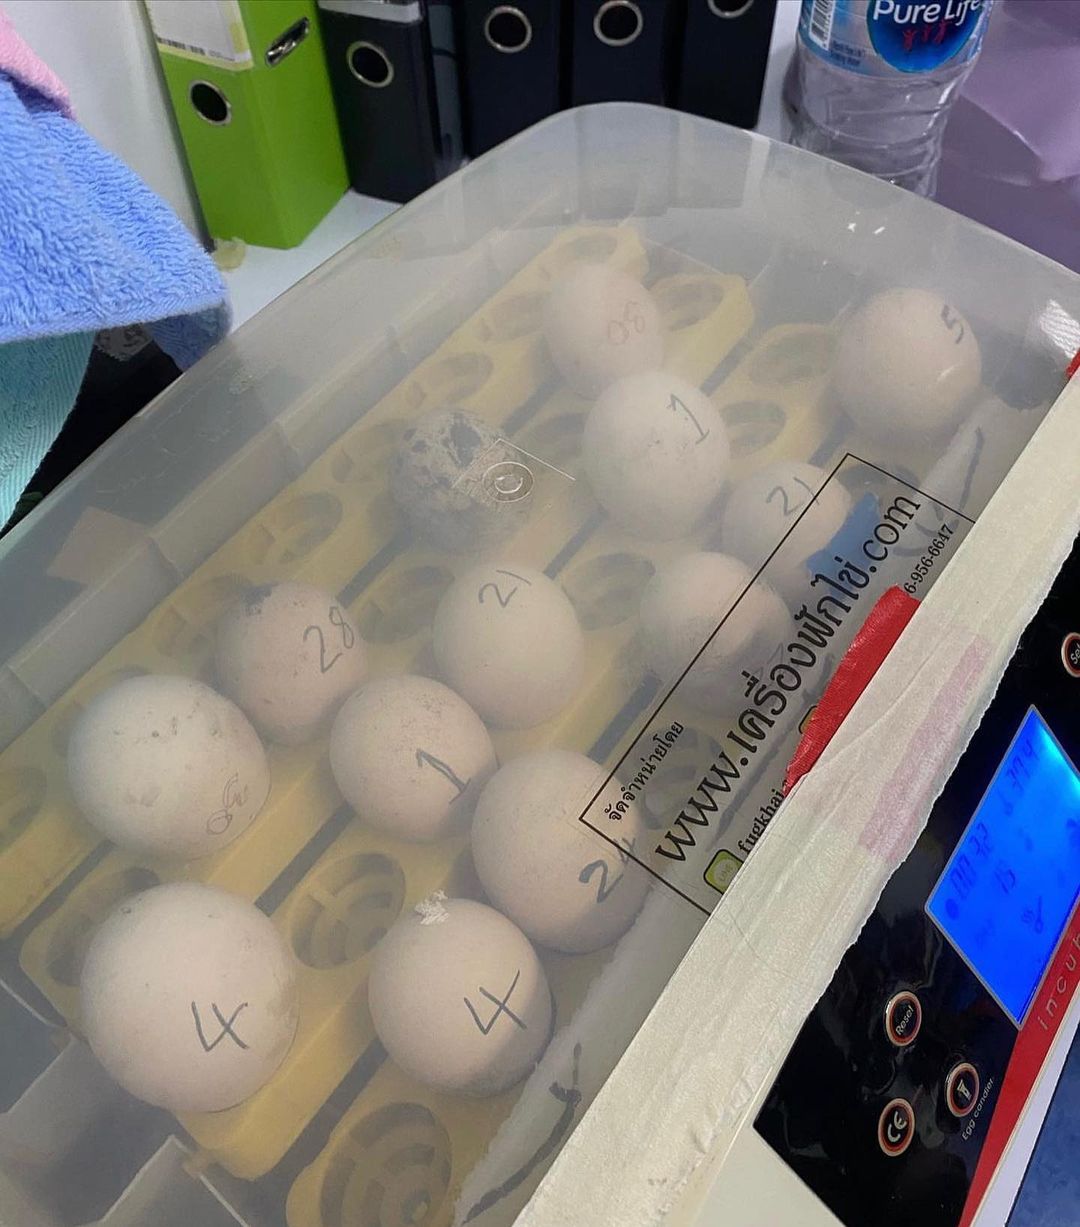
point(228, 1026)
point(422, 757)
point(677, 405)
point(619, 331)
point(232, 797)
point(951, 320)
point(789, 507)
point(503, 600)
point(501, 1007)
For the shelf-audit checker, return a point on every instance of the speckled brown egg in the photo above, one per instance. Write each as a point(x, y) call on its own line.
point(459, 483)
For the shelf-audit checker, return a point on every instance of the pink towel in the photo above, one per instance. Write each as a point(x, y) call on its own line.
point(24, 68)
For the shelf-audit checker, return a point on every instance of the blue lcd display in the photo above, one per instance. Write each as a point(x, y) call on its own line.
point(1006, 894)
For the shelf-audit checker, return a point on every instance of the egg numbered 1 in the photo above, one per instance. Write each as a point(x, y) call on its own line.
point(789, 507)
point(289, 654)
point(601, 324)
point(410, 756)
point(906, 364)
point(656, 453)
point(507, 638)
point(167, 767)
point(189, 997)
point(458, 997)
point(565, 885)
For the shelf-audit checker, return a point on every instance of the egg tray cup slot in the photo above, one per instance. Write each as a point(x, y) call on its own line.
point(776, 403)
point(402, 1150)
point(321, 528)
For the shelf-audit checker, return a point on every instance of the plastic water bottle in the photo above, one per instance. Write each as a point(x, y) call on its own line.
point(871, 81)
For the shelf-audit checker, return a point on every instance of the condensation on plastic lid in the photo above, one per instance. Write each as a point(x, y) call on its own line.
point(432, 910)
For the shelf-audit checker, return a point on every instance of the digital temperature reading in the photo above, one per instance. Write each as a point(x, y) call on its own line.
point(1007, 892)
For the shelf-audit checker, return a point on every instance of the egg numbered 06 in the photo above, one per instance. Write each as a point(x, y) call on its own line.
point(656, 454)
point(410, 756)
point(601, 324)
point(507, 638)
point(906, 365)
point(459, 998)
point(167, 767)
point(289, 654)
point(189, 997)
point(565, 885)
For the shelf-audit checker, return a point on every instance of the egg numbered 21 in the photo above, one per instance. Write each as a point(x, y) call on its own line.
point(189, 997)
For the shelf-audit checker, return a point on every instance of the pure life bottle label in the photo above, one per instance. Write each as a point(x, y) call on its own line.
point(879, 37)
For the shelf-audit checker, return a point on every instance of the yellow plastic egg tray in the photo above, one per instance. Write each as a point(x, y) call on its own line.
point(333, 524)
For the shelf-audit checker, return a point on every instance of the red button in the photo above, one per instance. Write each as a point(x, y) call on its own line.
point(962, 1089)
point(903, 1019)
point(896, 1127)
point(1070, 654)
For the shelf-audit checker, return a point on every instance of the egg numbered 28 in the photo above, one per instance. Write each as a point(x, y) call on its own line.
point(167, 767)
point(656, 454)
point(288, 654)
point(189, 997)
point(565, 885)
point(507, 638)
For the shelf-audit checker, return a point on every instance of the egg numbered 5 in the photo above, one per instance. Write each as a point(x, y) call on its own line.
point(507, 638)
point(656, 454)
point(167, 767)
point(289, 654)
point(566, 886)
point(189, 997)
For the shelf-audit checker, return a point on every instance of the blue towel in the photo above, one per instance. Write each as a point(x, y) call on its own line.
point(84, 245)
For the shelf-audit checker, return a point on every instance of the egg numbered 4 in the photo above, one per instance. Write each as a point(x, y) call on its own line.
point(459, 998)
point(289, 654)
point(656, 454)
point(507, 638)
point(167, 767)
point(565, 885)
point(189, 997)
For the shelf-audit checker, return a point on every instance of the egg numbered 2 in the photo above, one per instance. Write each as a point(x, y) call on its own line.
point(507, 638)
point(565, 885)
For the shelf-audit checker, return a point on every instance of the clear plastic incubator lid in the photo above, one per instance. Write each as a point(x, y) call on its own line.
point(386, 708)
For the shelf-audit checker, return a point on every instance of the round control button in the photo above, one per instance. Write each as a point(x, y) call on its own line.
point(903, 1019)
point(962, 1089)
point(896, 1127)
point(1070, 654)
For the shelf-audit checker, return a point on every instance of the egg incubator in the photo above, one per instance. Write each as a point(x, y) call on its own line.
point(386, 711)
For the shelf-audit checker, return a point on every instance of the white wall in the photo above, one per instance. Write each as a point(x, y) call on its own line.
point(103, 52)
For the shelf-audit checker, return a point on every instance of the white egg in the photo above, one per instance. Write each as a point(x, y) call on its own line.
point(167, 767)
point(777, 504)
point(656, 454)
point(507, 638)
point(601, 324)
point(906, 364)
point(681, 608)
point(289, 654)
point(410, 756)
point(189, 997)
point(458, 997)
point(566, 886)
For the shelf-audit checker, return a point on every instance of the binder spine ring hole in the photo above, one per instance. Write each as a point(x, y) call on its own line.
point(210, 103)
point(508, 29)
point(369, 64)
point(729, 8)
point(618, 23)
